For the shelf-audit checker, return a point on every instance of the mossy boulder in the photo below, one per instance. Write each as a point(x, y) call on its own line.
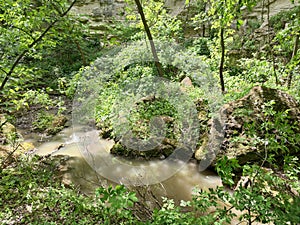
point(161, 151)
point(265, 121)
point(49, 123)
point(137, 146)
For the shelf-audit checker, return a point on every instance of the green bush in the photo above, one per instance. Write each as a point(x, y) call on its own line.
point(199, 46)
point(43, 121)
point(31, 193)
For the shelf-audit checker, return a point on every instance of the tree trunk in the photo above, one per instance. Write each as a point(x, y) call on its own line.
point(221, 68)
point(153, 49)
point(262, 11)
point(270, 49)
point(81, 53)
point(295, 49)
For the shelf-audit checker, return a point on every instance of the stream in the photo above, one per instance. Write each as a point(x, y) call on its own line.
point(79, 172)
point(179, 186)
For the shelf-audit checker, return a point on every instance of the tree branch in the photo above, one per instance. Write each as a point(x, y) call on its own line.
point(18, 59)
point(81, 53)
point(221, 66)
point(2, 124)
point(10, 154)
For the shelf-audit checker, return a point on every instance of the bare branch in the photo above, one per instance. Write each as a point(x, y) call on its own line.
point(9, 156)
point(3, 70)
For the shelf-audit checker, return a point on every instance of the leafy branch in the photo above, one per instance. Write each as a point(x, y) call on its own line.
point(34, 42)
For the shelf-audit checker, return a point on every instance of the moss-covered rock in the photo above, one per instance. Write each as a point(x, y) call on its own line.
point(140, 144)
point(266, 121)
point(161, 151)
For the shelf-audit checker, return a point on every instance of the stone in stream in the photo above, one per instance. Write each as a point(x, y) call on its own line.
point(57, 124)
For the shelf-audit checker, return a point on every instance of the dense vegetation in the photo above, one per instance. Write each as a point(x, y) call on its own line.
point(47, 52)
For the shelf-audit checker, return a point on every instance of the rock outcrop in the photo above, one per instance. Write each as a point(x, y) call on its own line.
point(266, 121)
point(100, 15)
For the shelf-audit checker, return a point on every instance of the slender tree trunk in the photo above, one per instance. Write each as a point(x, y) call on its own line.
point(81, 53)
point(270, 50)
point(147, 30)
point(34, 42)
point(221, 68)
point(295, 49)
point(262, 11)
point(249, 214)
point(186, 20)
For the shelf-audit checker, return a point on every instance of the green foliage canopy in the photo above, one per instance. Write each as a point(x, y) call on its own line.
point(27, 29)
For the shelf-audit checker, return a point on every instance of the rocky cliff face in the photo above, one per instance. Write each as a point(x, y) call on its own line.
point(275, 6)
point(100, 9)
point(100, 13)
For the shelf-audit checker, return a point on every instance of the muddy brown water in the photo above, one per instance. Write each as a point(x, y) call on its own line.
point(79, 172)
point(179, 186)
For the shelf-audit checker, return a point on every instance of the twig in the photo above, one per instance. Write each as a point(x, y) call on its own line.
point(254, 219)
point(263, 162)
point(218, 218)
point(252, 181)
point(2, 124)
point(81, 52)
point(10, 155)
point(3, 70)
point(240, 222)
